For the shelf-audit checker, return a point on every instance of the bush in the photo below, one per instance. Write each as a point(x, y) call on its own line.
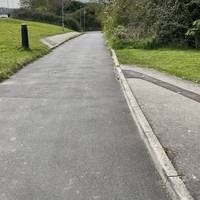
point(136, 43)
point(120, 32)
point(120, 37)
point(166, 20)
point(194, 32)
point(36, 15)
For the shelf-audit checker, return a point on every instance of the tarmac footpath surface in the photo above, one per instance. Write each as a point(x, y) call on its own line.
point(67, 133)
point(172, 107)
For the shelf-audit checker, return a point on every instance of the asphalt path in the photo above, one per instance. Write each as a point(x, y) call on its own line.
point(66, 132)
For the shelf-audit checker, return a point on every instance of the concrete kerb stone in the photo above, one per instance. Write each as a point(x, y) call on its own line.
point(168, 173)
point(52, 45)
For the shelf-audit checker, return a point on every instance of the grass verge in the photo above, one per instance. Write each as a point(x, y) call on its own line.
point(12, 56)
point(182, 63)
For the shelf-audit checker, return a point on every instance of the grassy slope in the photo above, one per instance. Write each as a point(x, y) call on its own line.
point(182, 63)
point(12, 56)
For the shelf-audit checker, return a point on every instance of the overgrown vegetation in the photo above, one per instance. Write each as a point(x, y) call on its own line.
point(161, 34)
point(77, 15)
point(12, 55)
point(151, 23)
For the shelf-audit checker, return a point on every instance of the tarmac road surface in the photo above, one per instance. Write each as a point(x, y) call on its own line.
point(66, 132)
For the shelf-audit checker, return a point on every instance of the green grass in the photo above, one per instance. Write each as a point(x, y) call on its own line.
point(181, 63)
point(12, 56)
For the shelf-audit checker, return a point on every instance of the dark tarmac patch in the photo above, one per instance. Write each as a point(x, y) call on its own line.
point(186, 93)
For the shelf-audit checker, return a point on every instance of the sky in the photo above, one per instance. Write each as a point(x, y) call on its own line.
point(9, 3)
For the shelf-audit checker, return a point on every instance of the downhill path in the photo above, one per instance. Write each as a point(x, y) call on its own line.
point(67, 133)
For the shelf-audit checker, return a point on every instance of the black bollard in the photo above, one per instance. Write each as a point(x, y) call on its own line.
point(25, 40)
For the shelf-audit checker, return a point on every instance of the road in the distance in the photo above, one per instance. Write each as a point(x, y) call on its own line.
point(66, 132)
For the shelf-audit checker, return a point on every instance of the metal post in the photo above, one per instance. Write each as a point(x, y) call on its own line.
point(84, 20)
point(63, 22)
point(25, 39)
point(81, 21)
point(7, 4)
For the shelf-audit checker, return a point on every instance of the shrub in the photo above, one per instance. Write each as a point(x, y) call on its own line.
point(194, 32)
point(120, 32)
point(120, 37)
point(135, 43)
point(37, 15)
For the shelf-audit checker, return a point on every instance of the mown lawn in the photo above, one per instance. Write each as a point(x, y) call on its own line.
point(12, 56)
point(181, 63)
